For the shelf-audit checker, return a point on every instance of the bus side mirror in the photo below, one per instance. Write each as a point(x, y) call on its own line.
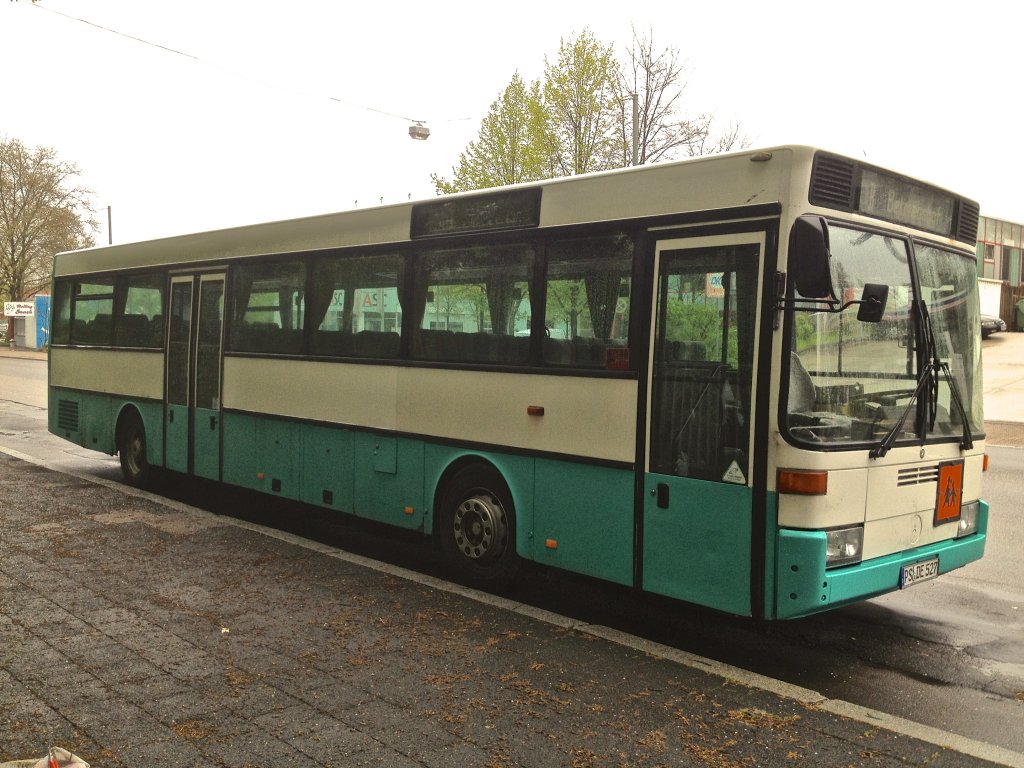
point(872, 302)
point(809, 258)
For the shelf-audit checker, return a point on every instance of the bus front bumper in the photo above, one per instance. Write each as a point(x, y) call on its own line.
point(804, 586)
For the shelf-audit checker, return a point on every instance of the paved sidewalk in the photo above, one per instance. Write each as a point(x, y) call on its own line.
point(1002, 360)
point(23, 353)
point(138, 632)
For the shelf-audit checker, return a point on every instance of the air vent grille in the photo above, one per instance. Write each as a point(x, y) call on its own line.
point(832, 182)
point(67, 415)
point(917, 476)
point(967, 222)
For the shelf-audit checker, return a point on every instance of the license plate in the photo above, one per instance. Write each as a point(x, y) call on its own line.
point(918, 572)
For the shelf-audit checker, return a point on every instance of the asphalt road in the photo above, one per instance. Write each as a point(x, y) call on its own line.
point(948, 653)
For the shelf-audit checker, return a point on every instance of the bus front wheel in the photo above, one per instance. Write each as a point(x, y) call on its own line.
point(131, 447)
point(477, 526)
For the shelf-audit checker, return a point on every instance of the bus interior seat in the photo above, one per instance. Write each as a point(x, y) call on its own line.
point(801, 388)
point(383, 344)
point(136, 331)
point(498, 348)
point(336, 343)
point(96, 331)
point(436, 344)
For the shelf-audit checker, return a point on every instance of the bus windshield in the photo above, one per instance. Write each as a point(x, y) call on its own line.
point(853, 382)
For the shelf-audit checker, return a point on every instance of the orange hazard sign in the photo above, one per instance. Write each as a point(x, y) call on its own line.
point(950, 492)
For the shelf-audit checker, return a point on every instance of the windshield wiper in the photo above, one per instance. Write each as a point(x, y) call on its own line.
point(937, 365)
point(967, 441)
point(929, 377)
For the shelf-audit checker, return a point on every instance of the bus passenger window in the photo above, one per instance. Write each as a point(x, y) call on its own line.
point(61, 312)
point(138, 321)
point(92, 313)
point(355, 307)
point(474, 304)
point(587, 313)
point(269, 303)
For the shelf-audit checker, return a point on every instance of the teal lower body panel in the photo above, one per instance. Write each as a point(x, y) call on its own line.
point(206, 443)
point(90, 420)
point(583, 519)
point(804, 586)
point(569, 515)
point(83, 418)
point(378, 477)
point(697, 542)
point(177, 431)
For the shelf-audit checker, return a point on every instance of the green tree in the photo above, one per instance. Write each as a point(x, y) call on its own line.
point(507, 150)
point(42, 212)
point(579, 107)
point(580, 118)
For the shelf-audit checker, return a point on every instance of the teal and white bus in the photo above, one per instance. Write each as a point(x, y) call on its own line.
point(749, 381)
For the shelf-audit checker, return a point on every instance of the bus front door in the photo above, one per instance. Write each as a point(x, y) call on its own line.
point(192, 422)
point(697, 526)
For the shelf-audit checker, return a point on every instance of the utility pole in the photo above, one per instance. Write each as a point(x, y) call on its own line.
point(636, 131)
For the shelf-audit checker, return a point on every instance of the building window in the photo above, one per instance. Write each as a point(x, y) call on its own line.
point(988, 268)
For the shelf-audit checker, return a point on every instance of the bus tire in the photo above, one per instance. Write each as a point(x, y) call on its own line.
point(477, 526)
point(131, 449)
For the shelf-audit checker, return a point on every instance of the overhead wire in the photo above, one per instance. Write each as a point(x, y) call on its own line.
point(177, 52)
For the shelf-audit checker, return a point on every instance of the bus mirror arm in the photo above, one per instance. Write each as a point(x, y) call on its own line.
point(871, 304)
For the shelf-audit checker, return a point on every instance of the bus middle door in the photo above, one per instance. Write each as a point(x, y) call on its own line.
point(697, 516)
point(193, 416)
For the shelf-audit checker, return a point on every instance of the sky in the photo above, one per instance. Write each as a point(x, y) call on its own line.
point(189, 115)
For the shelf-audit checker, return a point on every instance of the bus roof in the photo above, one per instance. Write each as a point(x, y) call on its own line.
point(735, 180)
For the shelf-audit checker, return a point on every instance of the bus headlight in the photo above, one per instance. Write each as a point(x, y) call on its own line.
point(968, 519)
point(843, 546)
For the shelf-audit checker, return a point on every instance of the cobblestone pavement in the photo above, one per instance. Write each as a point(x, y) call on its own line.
point(137, 632)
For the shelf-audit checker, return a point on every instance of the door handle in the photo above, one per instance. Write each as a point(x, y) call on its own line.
point(662, 495)
point(213, 422)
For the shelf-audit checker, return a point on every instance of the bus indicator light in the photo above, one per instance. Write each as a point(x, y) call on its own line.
point(803, 482)
point(535, 410)
point(551, 543)
point(409, 510)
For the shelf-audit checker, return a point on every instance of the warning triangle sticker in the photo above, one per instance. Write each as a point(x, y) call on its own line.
point(734, 474)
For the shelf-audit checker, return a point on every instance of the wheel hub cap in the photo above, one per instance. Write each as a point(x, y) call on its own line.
point(479, 527)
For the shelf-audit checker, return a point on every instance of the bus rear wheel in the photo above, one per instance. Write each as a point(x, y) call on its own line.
point(131, 448)
point(477, 526)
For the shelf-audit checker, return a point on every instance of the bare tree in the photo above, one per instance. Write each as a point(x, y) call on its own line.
point(656, 78)
point(42, 212)
point(713, 144)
